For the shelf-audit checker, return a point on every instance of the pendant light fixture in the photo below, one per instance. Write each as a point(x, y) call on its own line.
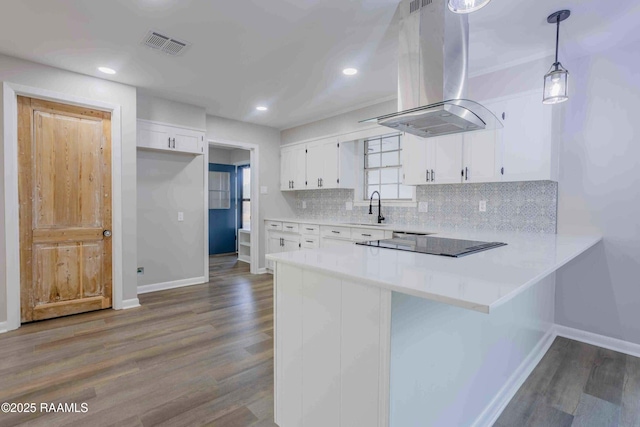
point(466, 6)
point(556, 81)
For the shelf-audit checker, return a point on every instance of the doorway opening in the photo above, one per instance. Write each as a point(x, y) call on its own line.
point(230, 203)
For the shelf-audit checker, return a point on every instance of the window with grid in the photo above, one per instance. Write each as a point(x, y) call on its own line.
point(383, 169)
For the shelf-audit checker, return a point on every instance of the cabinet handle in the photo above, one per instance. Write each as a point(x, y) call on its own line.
point(366, 235)
point(169, 143)
point(501, 171)
point(289, 226)
point(433, 176)
point(504, 116)
point(309, 241)
point(335, 232)
point(174, 143)
point(466, 174)
point(274, 225)
point(292, 185)
point(427, 177)
point(309, 229)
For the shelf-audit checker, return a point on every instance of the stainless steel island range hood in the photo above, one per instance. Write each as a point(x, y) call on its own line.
point(432, 74)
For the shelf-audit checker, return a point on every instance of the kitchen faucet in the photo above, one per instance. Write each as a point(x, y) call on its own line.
point(380, 217)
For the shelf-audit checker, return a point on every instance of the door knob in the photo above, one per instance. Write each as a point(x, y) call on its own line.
point(106, 233)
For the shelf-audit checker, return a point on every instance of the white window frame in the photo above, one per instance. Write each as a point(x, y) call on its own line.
point(359, 197)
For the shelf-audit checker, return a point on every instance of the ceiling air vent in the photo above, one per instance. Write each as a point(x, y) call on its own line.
point(414, 6)
point(166, 44)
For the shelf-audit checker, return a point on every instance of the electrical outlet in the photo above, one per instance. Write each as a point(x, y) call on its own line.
point(180, 216)
point(304, 204)
point(482, 206)
point(423, 207)
point(348, 206)
point(140, 271)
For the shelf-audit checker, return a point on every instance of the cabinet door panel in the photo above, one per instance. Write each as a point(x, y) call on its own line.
point(286, 165)
point(154, 136)
point(330, 164)
point(314, 164)
point(187, 141)
point(447, 159)
point(299, 167)
point(481, 156)
point(414, 160)
point(527, 139)
point(321, 299)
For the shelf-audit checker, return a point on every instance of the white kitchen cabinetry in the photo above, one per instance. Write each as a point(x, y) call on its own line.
point(529, 149)
point(482, 152)
point(332, 357)
point(281, 242)
point(161, 137)
point(432, 160)
point(324, 163)
point(293, 172)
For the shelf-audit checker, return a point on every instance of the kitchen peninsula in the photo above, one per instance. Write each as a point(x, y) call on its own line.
point(368, 336)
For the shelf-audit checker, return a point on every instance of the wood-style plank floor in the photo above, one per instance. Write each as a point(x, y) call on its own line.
point(200, 355)
point(578, 385)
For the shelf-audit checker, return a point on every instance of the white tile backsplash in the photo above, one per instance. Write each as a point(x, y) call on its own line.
point(511, 206)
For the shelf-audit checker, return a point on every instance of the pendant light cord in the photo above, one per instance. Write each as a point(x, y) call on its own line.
point(557, 39)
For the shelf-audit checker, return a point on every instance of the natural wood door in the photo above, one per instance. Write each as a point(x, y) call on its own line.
point(64, 184)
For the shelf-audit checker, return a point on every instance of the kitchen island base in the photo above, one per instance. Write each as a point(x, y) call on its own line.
point(353, 354)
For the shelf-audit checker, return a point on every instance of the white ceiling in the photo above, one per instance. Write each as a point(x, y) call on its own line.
point(285, 54)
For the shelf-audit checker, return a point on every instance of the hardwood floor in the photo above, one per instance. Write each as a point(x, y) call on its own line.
point(200, 355)
point(576, 385)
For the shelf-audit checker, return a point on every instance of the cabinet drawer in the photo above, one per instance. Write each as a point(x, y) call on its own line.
point(340, 232)
point(363, 234)
point(310, 242)
point(290, 227)
point(310, 229)
point(273, 225)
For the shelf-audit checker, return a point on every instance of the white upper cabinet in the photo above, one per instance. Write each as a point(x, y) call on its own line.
point(155, 136)
point(293, 168)
point(527, 138)
point(415, 166)
point(482, 152)
point(432, 160)
point(324, 163)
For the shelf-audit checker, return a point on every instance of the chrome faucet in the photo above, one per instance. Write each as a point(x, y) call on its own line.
point(380, 217)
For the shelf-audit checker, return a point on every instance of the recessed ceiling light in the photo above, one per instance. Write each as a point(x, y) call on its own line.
point(107, 70)
point(261, 108)
point(350, 71)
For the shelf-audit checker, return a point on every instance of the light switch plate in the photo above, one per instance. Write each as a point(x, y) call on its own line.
point(264, 189)
point(180, 216)
point(423, 207)
point(348, 206)
point(482, 206)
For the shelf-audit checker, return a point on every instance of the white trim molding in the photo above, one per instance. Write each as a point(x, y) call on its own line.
point(12, 227)
point(615, 344)
point(491, 413)
point(254, 163)
point(3, 327)
point(130, 303)
point(144, 289)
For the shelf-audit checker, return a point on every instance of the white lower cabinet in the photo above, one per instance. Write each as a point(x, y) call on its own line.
point(332, 358)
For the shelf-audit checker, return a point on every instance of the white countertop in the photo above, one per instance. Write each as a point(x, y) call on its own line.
point(391, 227)
point(481, 281)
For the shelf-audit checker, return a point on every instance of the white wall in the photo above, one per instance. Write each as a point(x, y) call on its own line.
point(39, 76)
point(171, 112)
point(274, 203)
point(169, 183)
point(599, 189)
point(220, 155)
point(169, 250)
point(238, 156)
point(339, 124)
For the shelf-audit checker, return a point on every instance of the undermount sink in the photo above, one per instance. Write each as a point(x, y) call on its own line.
point(365, 224)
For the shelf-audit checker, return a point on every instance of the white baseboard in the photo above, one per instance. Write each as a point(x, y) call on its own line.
point(171, 285)
point(130, 303)
point(491, 413)
point(262, 270)
point(614, 344)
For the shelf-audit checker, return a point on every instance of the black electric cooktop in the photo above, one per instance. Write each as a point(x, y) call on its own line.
point(433, 245)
